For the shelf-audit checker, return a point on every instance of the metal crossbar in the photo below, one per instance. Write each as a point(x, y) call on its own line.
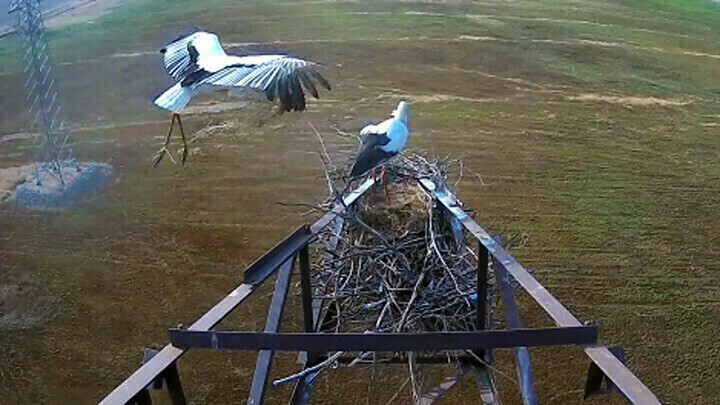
point(384, 342)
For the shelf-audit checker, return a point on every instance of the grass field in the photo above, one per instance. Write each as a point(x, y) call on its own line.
point(588, 129)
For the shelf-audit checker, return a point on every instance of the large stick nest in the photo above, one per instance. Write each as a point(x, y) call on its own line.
point(399, 267)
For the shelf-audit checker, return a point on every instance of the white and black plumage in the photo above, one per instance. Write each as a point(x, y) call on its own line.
point(382, 142)
point(198, 60)
point(199, 63)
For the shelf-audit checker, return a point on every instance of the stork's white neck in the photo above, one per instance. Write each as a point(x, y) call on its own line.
point(401, 112)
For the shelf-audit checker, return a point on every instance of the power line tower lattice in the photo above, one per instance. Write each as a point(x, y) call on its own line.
point(58, 179)
point(43, 105)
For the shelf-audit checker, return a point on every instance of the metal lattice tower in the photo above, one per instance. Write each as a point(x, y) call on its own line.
point(53, 151)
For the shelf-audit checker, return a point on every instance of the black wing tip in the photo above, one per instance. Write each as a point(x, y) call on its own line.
point(355, 172)
point(163, 50)
point(321, 79)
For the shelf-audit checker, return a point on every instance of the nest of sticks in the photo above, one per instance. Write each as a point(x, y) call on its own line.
point(394, 266)
point(399, 267)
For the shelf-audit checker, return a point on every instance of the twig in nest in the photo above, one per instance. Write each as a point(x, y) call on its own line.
point(314, 369)
point(392, 399)
point(345, 134)
point(325, 159)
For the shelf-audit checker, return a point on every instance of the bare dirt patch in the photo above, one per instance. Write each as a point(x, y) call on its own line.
point(631, 101)
point(435, 98)
point(17, 136)
point(12, 176)
point(23, 306)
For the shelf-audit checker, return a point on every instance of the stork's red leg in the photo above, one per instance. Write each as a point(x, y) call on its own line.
point(161, 153)
point(184, 141)
point(383, 178)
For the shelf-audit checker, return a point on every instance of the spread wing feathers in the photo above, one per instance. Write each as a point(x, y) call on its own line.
point(181, 56)
point(282, 77)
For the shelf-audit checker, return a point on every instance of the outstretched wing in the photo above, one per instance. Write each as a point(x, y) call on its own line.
point(186, 54)
point(277, 76)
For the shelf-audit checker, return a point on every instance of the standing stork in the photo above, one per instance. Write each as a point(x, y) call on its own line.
point(382, 142)
point(199, 63)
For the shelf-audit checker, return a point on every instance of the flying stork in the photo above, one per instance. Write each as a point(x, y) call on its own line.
point(199, 63)
point(382, 142)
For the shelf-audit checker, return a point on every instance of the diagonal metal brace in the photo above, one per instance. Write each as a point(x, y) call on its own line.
point(596, 377)
point(170, 377)
point(266, 265)
point(512, 320)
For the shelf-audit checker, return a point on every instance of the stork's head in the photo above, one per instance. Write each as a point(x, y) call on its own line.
point(401, 112)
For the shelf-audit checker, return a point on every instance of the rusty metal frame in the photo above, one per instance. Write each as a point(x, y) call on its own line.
point(315, 346)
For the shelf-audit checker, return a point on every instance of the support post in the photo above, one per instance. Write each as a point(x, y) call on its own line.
point(481, 308)
point(482, 269)
point(305, 386)
point(170, 376)
point(265, 357)
point(172, 379)
point(307, 302)
point(142, 398)
point(512, 320)
point(595, 378)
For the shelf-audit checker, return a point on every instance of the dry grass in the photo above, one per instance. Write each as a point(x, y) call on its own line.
point(615, 201)
point(24, 306)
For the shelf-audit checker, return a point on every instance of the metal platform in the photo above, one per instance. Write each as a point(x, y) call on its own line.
point(317, 347)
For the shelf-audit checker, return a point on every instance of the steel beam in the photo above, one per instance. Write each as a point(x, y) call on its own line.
point(623, 378)
point(384, 342)
point(512, 321)
point(174, 386)
point(483, 380)
point(272, 324)
point(304, 387)
point(482, 299)
point(269, 262)
point(339, 208)
point(306, 287)
point(593, 385)
point(142, 377)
